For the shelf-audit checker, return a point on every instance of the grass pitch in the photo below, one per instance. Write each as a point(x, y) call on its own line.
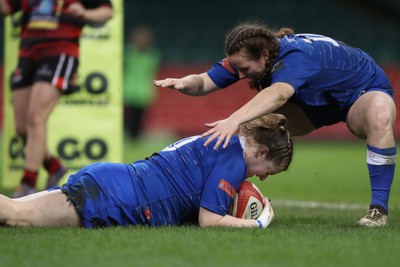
point(316, 204)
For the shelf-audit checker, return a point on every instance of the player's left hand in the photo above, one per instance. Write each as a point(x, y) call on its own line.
point(223, 130)
point(267, 214)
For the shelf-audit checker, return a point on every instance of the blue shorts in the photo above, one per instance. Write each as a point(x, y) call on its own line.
point(102, 196)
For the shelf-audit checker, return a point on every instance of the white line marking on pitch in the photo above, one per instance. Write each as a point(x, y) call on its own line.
point(313, 204)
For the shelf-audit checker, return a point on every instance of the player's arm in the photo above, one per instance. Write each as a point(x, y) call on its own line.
point(208, 218)
point(194, 84)
point(4, 8)
point(96, 15)
point(266, 101)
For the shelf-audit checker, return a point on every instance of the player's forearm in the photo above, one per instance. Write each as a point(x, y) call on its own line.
point(268, 100)
point(211, 219)
point(194, 85)
point(98, 15)
point(230, 221)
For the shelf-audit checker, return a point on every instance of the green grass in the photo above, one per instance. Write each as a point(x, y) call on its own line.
point(297, 239)
point(331, 172)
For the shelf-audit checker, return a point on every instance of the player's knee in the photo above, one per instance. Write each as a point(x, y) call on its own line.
point(34, 121)
point(382, 121)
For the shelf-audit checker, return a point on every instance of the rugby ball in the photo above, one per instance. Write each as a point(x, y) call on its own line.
point(248, 201)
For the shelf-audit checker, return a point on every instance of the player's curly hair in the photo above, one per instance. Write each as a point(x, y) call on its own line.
point(270, 130)
point(254, 38)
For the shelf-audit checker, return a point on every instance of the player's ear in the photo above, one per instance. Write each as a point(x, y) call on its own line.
point(265, 54)
point(263, 151)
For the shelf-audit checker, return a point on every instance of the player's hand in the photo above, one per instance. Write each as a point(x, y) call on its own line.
point(267, 214)
point(223, 130)
point(178, 84)
point(77, 10)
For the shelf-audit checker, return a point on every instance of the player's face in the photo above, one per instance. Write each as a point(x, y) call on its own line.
point(247, 68)
point(263, 169)
point(258, 166)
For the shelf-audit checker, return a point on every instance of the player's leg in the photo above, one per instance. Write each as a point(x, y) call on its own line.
point(72, 179)
point(372, 118)
point(30, 196)
point(55, 170)
point(49, 208)
point(21, 84)
point(21, 98)
point(43, 99)
point(63, 78)
point(298, 123)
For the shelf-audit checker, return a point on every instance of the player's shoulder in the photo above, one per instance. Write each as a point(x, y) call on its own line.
point(292, 45)
point(303, 46)
point(223, 65)
point(234, 141)
point(294, 42)
point(233, 151)
point(183, 143)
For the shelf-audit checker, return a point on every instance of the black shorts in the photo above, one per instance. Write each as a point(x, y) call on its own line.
point(332, 114)
point(325, 115)
point(59, 71)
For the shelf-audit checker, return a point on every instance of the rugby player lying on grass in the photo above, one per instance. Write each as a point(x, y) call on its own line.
point(186, 182)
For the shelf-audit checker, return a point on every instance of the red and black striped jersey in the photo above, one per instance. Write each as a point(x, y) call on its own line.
point(47, 29)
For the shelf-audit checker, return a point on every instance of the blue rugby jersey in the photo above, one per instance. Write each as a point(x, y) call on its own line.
point(175, 182)
point(167, 188)
point(324, 72)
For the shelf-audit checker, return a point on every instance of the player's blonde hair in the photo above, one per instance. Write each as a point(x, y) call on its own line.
point(270, 130)
point(254, 38)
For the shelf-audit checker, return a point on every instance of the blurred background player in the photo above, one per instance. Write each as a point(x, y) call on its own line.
point(141, 63)
point(47, 68)
point(315, 81)
point(186, 182)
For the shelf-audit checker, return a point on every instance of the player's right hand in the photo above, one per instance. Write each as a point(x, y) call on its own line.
point(222, 130)
point(178, 84)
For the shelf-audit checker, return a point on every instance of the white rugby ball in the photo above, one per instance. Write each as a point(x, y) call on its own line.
point(248, 201)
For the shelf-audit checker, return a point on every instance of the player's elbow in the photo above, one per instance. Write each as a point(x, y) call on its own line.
point(208, 218)
point(97, 18)
point(203, 224)
point(204, 221)
point(284, 91)
point(108, 13)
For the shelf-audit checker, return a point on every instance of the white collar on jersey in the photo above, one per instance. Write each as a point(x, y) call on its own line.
point(242, 141)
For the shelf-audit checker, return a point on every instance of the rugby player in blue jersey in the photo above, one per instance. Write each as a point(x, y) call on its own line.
point(314, 81)
point(186, 182)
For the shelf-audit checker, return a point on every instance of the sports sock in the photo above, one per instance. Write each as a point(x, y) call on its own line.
point(52, 164)
point(29, 178)
point(381, 166)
